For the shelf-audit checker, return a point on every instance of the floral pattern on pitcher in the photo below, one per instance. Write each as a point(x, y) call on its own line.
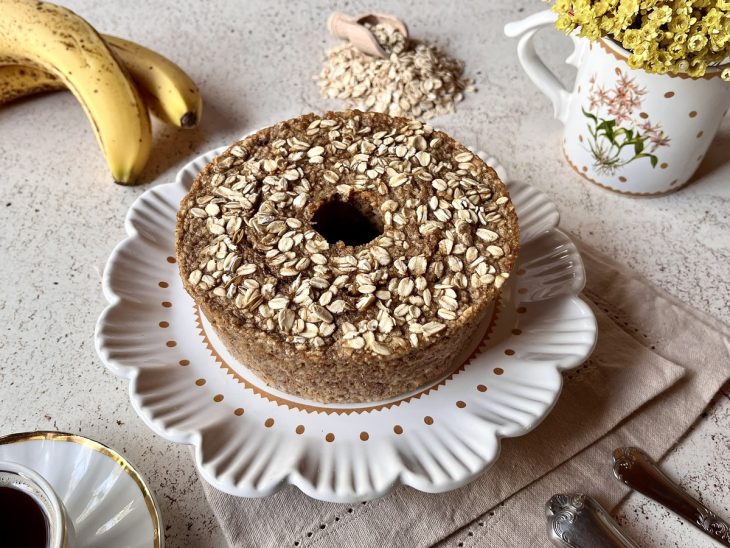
point(618, 132)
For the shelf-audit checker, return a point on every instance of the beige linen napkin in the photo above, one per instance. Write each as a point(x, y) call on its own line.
point(698, 342)
point(648, 344)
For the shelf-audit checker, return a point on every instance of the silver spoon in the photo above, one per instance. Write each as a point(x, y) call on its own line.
point(636, 469)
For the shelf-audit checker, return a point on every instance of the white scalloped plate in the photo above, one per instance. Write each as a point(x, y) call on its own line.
point(250, 439)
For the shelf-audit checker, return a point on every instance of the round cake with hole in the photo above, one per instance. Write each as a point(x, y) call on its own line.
point(347, 257)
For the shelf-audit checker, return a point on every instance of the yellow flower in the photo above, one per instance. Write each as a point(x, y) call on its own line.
point(696, 42)
point(677, 50)
point(697, 68)
point(632, 38)
point(662, 14)
point(641, 52)
point(628, 8)
point(713, 19)
point(661, 35)
point(663, 58)
point(601, 7)
point(679, 23)
point(565, 23)
point(591, 30)
point(725, 75)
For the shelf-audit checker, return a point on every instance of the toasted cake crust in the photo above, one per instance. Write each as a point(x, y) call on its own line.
point(336, 322)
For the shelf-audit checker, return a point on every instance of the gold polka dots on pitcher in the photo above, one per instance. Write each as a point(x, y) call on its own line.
point(183, 363)
point(166, 304)
point(200, 382)
point(509, 352)
point(517, 331)
point(364, 436)
point(268, 423)
point(218, 398)
point(329, 438)
point(398, 429)
point(299, 429)
point(171, 260)
point(693, 114)
point(622, 179)
point(644, 115)
point(460, 404)
point(481, 387)
point(164, 325)
point(164, 285)
point(498, 371)
point(700, 134)
point(428, 420)
point(171, 344)
point(238, 412)
point(664, 165)
point(669, 94)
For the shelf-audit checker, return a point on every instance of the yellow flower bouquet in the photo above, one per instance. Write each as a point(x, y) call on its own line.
point(662, 36)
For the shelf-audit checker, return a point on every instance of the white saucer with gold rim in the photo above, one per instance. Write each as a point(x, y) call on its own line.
point(106, 500)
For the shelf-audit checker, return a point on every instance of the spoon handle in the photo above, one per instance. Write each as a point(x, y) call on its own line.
point(578, 521)
point(636, 469)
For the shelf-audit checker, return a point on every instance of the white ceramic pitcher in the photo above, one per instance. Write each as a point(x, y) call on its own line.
point(626, 130)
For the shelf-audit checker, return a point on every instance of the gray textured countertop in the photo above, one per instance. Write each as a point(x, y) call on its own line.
point(253, 60)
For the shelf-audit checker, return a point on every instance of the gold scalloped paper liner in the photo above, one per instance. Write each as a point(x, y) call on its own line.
point(682, 76)
point(292, 405)
point(149, 501)
point(624, 192)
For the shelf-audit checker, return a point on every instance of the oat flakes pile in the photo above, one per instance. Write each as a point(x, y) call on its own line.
point(417, 80)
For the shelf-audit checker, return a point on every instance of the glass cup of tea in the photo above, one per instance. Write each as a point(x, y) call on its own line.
point(31, 514)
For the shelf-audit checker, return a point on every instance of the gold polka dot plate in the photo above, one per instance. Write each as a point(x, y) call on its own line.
point(251, 440)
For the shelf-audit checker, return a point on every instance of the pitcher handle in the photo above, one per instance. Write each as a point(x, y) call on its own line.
point(536, 70)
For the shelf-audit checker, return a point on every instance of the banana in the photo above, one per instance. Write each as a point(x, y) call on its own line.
point(170, 93)
point(17, 81)
point(60, 42)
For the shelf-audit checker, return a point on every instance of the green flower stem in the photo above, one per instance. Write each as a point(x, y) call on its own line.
point(607, 142)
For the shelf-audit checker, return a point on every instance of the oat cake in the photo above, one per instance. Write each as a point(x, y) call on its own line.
point(347, 257)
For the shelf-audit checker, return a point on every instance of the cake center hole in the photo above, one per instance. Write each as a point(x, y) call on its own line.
point(348, 222)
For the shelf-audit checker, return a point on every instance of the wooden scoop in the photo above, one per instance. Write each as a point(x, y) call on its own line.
point(347, 27)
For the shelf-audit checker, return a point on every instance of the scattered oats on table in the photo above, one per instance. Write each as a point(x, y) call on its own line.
point(417, 79)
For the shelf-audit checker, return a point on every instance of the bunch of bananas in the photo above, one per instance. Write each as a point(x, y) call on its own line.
point(45, 47)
